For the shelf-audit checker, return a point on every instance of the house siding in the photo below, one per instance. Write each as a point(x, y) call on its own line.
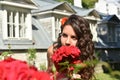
point(46, 23)
point(0, 21)
point(41, 57)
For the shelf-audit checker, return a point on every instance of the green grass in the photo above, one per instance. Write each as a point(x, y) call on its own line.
point(104, 76)
point(109, 73)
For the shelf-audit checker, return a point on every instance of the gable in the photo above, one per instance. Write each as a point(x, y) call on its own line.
point(58, 8)
point(111, 18)
point(94, 13)
point(19, 3)
point(114, 18)
point(65, 7)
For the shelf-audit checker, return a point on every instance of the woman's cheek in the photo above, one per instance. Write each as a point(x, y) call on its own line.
point(62, 41)
point(74, 43)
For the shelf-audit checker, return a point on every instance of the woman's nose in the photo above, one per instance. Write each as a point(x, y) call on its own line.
point(67, 41)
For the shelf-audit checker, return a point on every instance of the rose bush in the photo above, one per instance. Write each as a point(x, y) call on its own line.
point(13, 69)
point(66, 54)
point(67, 61)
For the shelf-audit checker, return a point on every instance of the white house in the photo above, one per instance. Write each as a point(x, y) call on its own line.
point(18, 30)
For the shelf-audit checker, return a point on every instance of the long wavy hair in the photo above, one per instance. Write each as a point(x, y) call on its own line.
point(85, 43)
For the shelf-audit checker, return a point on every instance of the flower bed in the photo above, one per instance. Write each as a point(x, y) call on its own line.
point(13, 69)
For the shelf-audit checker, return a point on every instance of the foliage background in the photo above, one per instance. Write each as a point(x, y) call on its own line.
point(85, 3)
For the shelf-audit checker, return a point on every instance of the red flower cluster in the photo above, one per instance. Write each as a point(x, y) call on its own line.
point(69, 54)
point(63, 20)
point(12, 69)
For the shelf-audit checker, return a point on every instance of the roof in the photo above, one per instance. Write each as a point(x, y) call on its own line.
point(19, 3)
point(43, 2)
point(90, 14)
point(40, 35)
point(48, 7)
point(30, 2)
point(52, 6)
point(111, 18)
point(82, 11)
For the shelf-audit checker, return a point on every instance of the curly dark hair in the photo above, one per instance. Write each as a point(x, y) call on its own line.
point(85, 43)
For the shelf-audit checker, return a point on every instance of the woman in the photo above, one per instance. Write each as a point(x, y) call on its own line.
point(75, 31)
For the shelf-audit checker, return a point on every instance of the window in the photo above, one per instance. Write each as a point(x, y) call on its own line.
point(11, 24)
point(117, 30)
point(16, 27)
point(22, 27)
point(102, 30)
point(111, 34)
point(118, 11)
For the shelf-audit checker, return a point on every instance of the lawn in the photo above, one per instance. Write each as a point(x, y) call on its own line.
point(105, 76)
point(103, 71)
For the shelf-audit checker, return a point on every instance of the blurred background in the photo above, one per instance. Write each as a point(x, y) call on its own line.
point(29, 27)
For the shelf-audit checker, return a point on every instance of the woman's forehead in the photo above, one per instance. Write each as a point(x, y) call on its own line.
point(69, 30)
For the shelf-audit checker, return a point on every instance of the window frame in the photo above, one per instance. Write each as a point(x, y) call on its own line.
point(27, 24)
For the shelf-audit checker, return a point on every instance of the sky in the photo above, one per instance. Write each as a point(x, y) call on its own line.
point(112, 0)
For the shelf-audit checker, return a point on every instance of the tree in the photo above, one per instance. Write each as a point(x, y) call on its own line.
point(85, 3)
point(88, 3)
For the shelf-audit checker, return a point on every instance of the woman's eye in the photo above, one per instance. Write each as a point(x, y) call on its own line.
point(64, 35)
point(74, 37)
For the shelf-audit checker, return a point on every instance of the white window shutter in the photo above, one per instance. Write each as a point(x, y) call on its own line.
point(28, 26)
point(4, 24)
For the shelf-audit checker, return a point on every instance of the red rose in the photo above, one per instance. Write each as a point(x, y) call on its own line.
point(77, 62)
point(71, 68)
point(43, 76)
point(12, 69)
point(65, 53)
point(1, 71)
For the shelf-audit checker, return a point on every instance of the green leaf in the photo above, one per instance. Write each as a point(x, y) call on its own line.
point(5, 53)
point(63, 68)
point(53, 68)
point(31, 55)
point(92, 62)
point(64, 63)
point(77, 68)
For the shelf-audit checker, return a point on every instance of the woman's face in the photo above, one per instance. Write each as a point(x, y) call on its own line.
point(68, 36)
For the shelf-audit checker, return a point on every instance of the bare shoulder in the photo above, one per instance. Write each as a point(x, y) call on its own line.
point(52, 48)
